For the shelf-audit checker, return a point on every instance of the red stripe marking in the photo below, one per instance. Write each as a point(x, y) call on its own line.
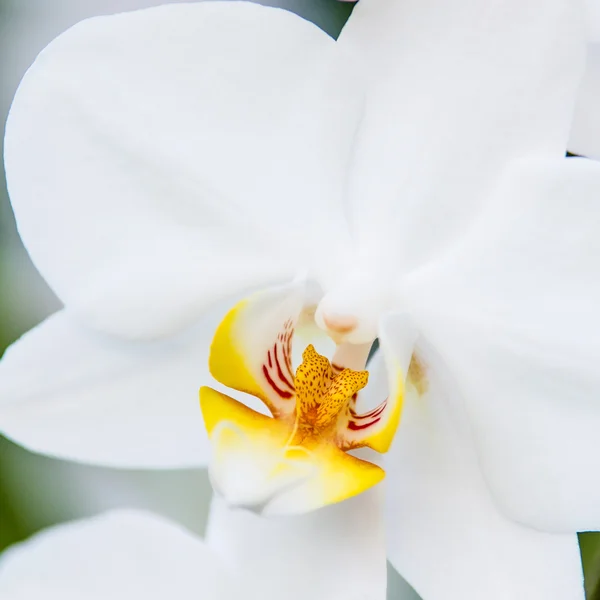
point(279, 371)
point(356, 427)
point(337, 367)
point(374, 413)
point(269, 357)
point(281, 393)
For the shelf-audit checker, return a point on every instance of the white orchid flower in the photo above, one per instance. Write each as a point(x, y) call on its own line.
point(127, 553)
point(163, 161)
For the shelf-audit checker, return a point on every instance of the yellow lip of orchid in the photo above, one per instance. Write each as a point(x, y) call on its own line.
point(295, 460)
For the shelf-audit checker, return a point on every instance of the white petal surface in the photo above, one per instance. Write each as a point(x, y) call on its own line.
point(513, 312)
point(445, 535)
point(585, 132)
point(252, 349)
point(335, 553)
point(593, 19)
point(119, 555)
point(160, 159)
point(456, 89)
point(70, 392)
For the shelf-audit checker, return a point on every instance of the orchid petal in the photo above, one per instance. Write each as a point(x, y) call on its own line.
point(118, 555)
point(593, 19)
point(441, 517)
point(513, 311)
point(162, 159)
point(585, 132)
point(70, 392)
point(456, 90)
point(254, 466)
point(376, 427)
point(337, 552)
point(252, 348)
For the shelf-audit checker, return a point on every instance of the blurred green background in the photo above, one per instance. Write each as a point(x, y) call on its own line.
point(37, 491)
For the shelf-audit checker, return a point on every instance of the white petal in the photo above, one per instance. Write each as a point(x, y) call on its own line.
point(593, 19)
point(160, 159)
point(119, 555)
point(585, 132)
point(446, 537)
point(456, 90)
point(374, 424)
point(337, 552)
point(70, 392)
point(514, 313)
point(251, 350)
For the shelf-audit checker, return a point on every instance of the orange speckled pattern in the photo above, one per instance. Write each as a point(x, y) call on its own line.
point(313, 380)
point(322, 395)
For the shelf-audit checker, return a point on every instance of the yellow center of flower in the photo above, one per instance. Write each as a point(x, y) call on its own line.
point(297, 456)
point(295, 459)
point(321, 395)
